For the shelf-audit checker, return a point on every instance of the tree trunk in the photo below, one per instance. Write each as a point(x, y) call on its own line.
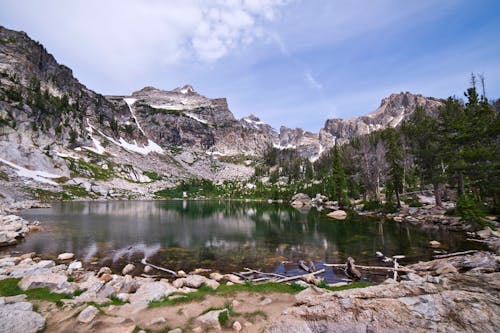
point(437, 194)
point(398, 202)
point(460, 184)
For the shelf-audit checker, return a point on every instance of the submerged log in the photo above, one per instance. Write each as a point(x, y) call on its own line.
point(376, 268)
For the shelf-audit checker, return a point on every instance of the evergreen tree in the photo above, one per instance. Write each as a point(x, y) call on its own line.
point(394, 158)
point(421, 131)
point(339, 179)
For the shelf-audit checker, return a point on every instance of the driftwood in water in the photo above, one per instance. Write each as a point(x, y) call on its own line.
point(456, 254)
point(144, 262)
point(351, 269)
point(254, 271)
point(375, 268)
point(310, 267)
point(296, 277)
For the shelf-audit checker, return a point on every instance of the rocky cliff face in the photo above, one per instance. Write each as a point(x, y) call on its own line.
point(391, 112)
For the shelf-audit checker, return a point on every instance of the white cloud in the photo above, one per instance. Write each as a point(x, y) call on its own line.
point(311, 81)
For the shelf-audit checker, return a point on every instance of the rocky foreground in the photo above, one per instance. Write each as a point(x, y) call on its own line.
point(457, 294)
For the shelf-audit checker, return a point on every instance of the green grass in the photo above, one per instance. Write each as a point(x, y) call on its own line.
point(225, 290)
point(76, 190)
point(353, 285)
point(9, 287)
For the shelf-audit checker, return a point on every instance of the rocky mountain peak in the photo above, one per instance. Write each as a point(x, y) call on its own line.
point(186, 89)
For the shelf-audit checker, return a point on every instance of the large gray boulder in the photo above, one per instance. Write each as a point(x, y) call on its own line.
point(20, 318)
point(55, 282)
point(151, 291)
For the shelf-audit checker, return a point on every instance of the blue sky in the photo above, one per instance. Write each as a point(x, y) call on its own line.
point(293, 63)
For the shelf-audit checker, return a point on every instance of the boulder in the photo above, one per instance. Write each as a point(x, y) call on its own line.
point(88, 314)
point(147, 269)
point(237, 326)
point(20, 318)
point(104, 270)
point(209, 320)
point(152, 291)
point(66, 256)
point(301, 200)
point(485, 233)
point(75, 265)
point(434, 243)
point(128, 269)
point(55, 282)
point(338, 215)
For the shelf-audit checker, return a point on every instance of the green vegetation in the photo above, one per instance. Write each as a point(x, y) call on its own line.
point(76, 191)
point(9, 287)
point(153, 175)
point(225, 290)
point(91, 170)
point(46, 195)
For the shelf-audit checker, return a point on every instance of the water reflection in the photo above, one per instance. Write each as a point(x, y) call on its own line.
point(224, 235)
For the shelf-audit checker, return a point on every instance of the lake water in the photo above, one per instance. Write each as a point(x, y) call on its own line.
point(227, 236)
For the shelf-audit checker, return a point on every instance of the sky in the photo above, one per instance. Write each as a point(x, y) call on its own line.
point(289, 62)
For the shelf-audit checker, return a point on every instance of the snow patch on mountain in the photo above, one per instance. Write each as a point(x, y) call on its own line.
point(37, 175)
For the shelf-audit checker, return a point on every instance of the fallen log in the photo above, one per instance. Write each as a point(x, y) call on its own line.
point(296, 277)
point(253, 271)
point(456, 254)
point(376, 268)
point(144, 262)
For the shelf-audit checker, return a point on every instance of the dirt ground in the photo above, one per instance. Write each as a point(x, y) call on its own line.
point(252, 310)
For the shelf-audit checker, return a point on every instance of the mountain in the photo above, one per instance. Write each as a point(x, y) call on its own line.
point(391, 112)
point(58, 135)
point(55, 132)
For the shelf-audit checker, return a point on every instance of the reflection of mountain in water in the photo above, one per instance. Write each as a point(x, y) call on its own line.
point(224, 233)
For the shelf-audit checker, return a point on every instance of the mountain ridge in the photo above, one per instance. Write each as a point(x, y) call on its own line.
point(53, 124)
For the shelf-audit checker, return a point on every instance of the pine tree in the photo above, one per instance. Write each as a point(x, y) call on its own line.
point(421, 131)
point(394, 158)
point(339, 179)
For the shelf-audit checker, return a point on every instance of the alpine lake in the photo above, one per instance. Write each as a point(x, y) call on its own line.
point(226, 236)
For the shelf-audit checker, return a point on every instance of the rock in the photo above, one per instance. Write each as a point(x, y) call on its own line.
point(104, 270)
point(210, 320)
point(152, 291)
point(124, 297)
point(338, 215)
point(235, 303)
point(158, 320)
point(216, 276)
point(128, 269)
point(29, 255)
point(88, 314)
point(15, 299)
point(175, 330)
point(434, 243)
point(237, 326)
point(266, 301)
point(485, 233)
point(55, 282)
point(106, 278)
point(16, 318)
point(181, 273)
point(301, 200)
point(233, 279)
point(229, 283)
point(195, 281)
point(127, 285)
point(66, 256)
point(75, 265)
point(147, 269)
point(446, 269)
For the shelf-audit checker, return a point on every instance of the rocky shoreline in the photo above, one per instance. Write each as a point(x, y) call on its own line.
point(455, 294)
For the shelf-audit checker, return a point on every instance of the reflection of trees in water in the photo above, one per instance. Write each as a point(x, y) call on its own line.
point(231, 233)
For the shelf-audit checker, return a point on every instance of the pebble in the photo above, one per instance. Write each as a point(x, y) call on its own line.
point(66, 256)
